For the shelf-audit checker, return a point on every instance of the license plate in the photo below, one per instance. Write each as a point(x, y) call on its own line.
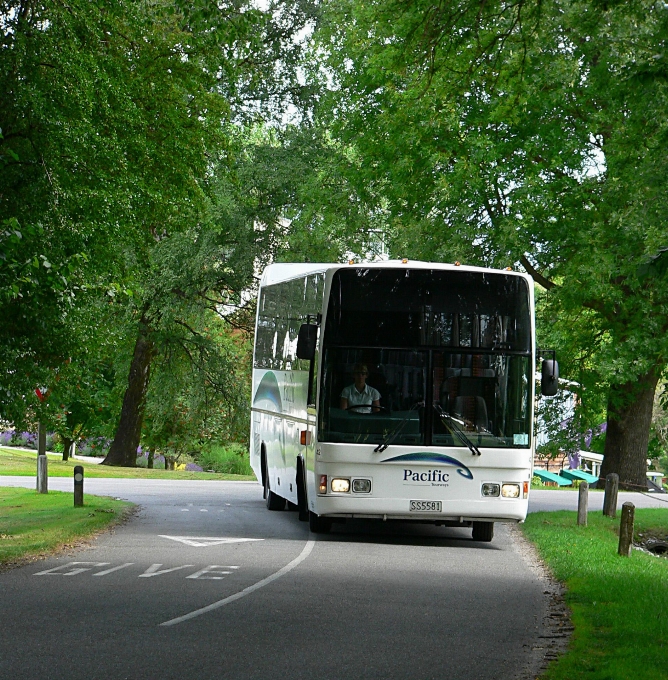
point(425, 506)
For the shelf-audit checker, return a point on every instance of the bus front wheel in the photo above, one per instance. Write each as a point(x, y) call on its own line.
point(483, 531)
point(318, 524)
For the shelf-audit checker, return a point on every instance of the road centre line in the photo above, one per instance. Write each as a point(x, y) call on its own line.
point(246, 591)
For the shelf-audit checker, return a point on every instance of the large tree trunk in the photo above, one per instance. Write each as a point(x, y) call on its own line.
point(123, 450)
point(629, 418)
point(67, 445)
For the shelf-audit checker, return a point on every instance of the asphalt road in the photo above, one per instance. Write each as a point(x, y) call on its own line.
point(206, 583)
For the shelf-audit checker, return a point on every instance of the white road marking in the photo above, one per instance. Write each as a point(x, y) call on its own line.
point(203, 510)
point(153, 570)
point(185, 510)
point(246, 591)
point(109, 571)
point(212, 569)
point(74, 572)
point(206, 541)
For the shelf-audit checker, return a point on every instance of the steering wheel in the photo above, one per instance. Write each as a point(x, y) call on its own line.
point(374, 409)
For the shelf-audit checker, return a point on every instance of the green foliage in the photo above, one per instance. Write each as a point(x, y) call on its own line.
point(618, 605)
point(125, 201)
point(230, 459)
point(199, 390)
point(108, 119)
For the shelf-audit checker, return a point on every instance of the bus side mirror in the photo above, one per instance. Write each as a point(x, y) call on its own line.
point(549, 378)
point(306, 341)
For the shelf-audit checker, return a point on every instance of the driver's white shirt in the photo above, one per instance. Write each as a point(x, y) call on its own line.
point(356, 398)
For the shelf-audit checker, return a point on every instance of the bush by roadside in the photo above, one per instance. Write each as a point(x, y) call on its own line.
point(231, 459)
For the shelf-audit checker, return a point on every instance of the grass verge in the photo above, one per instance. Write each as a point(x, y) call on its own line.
point(14, 462)
point(33, 524)
point(619, 605)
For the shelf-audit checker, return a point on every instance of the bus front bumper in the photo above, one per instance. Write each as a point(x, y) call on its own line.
point(457, 511)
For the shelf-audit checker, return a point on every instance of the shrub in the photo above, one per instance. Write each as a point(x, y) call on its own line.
point(26, 439)
point(536, 481)
point(52, 442)
point(6, 437)
point(232, 459)
point(93, 446)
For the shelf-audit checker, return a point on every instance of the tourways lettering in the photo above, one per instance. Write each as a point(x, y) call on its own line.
point(426, 476)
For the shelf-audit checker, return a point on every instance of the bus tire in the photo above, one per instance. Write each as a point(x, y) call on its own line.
point(483, 531)
point(273, 501)
point(318, 524)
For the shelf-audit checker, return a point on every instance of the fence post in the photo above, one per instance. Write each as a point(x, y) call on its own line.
point(42, 468)
point(610, 498)
point(78, 486)
point(583, 502)
point(626, 529)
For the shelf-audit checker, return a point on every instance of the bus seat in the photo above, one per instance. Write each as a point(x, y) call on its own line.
point(473, 409)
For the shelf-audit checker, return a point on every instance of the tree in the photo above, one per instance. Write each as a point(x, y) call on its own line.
point(526, 133)
point(114, 120)
point(257, 69)
point(105, 116)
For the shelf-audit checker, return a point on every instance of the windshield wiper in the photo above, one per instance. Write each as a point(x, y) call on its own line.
point(453, 425)
point(397, 430)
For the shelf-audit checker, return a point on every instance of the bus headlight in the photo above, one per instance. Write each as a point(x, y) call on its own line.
point(489, 489)
point(510, 490)
point(361, 485)
point(340, 485)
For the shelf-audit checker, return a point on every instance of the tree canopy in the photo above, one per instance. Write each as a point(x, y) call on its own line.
point(526, 134)
point(154, 154)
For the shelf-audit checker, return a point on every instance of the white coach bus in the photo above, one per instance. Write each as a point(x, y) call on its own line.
point(395, 390)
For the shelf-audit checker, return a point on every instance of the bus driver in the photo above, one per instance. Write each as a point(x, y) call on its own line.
point(359, 393)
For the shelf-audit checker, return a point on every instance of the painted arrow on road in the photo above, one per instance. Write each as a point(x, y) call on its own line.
point(206, 541)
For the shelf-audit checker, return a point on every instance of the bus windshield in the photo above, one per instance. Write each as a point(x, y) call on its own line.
point(417, 357)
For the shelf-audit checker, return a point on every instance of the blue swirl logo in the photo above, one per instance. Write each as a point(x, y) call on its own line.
point(268, 391)
point(438, 458)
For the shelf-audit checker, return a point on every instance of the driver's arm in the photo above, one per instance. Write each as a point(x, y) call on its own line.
point(376, 404)
point(344, 403)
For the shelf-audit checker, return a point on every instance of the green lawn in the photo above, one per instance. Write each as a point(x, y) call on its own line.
point(34, 524)
point(619, 605)
point(15, 462)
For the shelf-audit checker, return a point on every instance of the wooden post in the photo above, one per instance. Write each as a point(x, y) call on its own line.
point(583, 502)
point(78, 486)
point(626, 529)
point(610, 497)
point(42, 469)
